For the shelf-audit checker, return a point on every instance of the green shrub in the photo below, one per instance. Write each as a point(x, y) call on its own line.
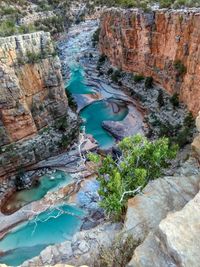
point(160, 98)
point(180, 68)
point(53, 24)
point(7, 28)
point(116, 75)
point(71, 101)
point(175, 100)
point(144, 4)
point(19, 181)
point(148, 82)
point(183, 137)
point(141, 161)
point(23, 29)
point(95, 37)
point(33, 57)
point(102, 59)
point(189, 120)
point(138, 78)
point(110, 71)
point(165, 3)
point(61, 124)
point(65, 141)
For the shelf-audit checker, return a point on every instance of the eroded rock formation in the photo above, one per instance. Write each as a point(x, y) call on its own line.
point(32, 97)
point(163, 44)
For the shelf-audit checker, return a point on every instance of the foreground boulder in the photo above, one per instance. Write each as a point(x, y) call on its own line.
point(175, 242)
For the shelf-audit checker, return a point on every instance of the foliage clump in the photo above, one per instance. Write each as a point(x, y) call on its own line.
point(95, 37)
point(180, 68)
point(101, 61)
point(19, 179)
point(116, 75)
point(138, 78)
point(140, 162)
point(145, 4)
point(175, 100)
point(148, 82)
point(72, 103)
point(61, 124)
point(160, 98)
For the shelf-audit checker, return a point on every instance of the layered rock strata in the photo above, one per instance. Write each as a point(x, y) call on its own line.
point(163, 44)
point(32, 97)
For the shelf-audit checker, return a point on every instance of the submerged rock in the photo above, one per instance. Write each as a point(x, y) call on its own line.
point(130, 125)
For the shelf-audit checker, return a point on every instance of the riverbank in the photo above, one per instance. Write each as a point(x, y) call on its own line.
point(83, 57)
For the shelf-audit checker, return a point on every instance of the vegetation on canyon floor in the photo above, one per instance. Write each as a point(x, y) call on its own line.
point(145, 4)
point(13, 11)
point(137, 162)
point(181, 131)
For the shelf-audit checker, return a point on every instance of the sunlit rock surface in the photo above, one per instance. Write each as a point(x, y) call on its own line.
point(163, 44)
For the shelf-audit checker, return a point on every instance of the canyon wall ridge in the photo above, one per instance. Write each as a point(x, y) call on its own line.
point(32, 98)
point(163, 44)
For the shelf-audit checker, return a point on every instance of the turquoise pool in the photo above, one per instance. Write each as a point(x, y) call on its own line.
point(76, 84)
point(28, 240)
point(97, 112)
point(46, 183)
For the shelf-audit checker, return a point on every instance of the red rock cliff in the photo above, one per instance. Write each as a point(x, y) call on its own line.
point(162, 44)
point(31, 95)
point(33, 102)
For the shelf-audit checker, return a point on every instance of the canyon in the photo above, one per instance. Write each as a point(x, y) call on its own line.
point(41, 85)
point(163, 44)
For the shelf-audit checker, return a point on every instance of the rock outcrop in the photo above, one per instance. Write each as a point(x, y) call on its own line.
point(32, 97)
point(164, 195)
point(163, 44)
point(175, 242)
point(166, 219)
point(82, 249)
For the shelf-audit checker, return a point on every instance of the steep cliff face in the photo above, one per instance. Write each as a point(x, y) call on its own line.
point(32, 97)
point(163, 44)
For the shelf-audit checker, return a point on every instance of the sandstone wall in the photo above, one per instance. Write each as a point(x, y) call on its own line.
point(150, 44)
point(32, 97)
